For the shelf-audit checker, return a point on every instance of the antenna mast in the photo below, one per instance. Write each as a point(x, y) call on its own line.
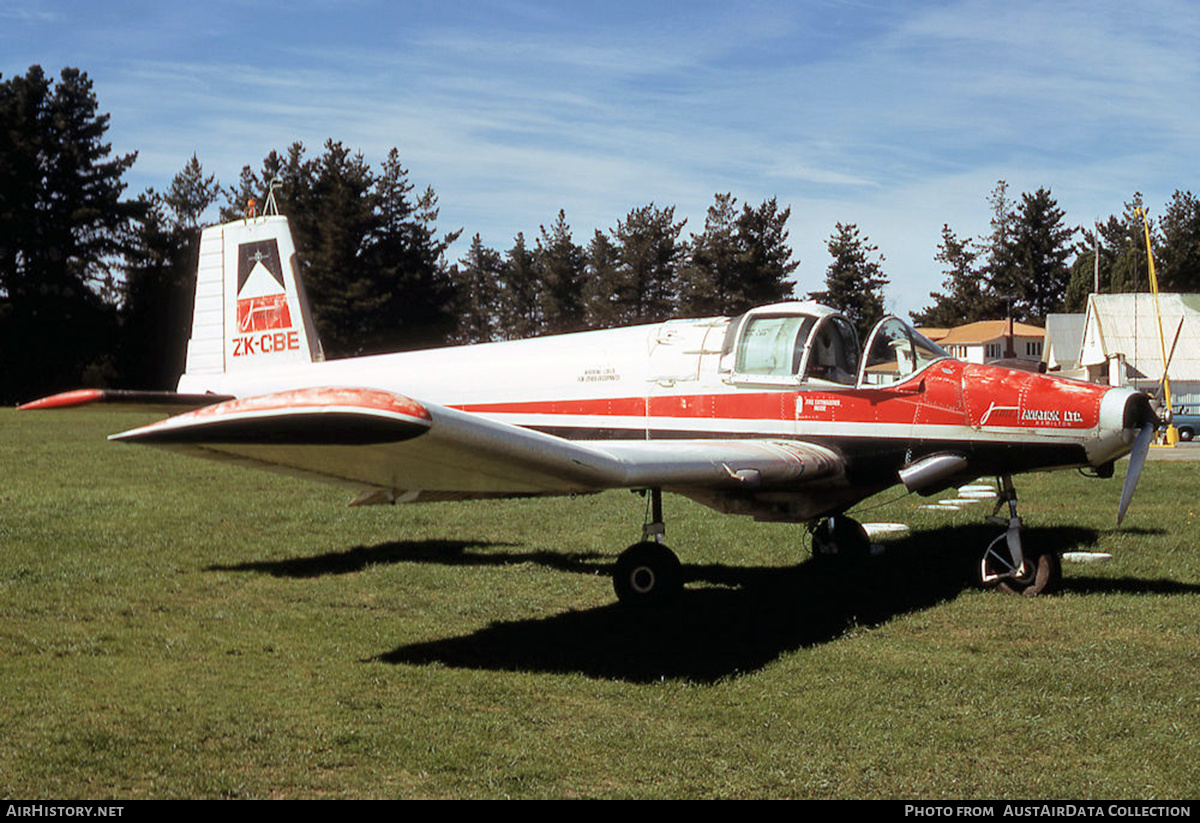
point(272, 207)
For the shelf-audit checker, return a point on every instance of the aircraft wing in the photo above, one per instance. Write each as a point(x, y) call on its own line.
point(405, 448)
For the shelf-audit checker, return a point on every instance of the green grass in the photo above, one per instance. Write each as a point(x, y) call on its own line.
point(177, 628)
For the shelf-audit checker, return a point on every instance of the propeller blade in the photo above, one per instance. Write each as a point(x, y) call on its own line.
point(1137, 459)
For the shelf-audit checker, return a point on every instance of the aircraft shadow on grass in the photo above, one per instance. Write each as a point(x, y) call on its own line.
point(729, 620)
point(732, 620)
point(442, 552)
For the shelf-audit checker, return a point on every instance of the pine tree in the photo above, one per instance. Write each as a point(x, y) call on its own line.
point(520, 304)
point(1178, 261)
point(855, 280)
point(1121, 245)
point(1039, 249)
point(996, 248)
point(191, 194)
point(741, 260)
point(765, 261)
point(477, 280)
point(410, 259)
point(601, 283)
point(649, 255)
point(160, 280)
point(966, 297)
point(62, 228)
point(708, 280)
point(560, 268)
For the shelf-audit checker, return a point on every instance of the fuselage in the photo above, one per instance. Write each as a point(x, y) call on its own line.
point(705, 378)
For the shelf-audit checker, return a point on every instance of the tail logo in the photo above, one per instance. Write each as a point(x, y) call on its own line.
point(264, 320)
point(262, 299)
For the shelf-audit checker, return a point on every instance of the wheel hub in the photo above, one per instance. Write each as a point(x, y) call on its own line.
point(642, 579)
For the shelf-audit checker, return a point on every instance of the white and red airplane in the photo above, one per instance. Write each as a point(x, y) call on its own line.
point(777, 414)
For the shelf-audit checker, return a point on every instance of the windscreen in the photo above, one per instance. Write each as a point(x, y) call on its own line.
point(896, 350)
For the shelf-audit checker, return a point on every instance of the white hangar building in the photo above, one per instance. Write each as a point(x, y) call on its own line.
point(1120, 344)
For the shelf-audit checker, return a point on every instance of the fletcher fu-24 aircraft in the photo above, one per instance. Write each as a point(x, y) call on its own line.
point(777, 414)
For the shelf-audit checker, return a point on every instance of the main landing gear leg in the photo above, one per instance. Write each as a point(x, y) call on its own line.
point(1007, 563)
point(648, 572)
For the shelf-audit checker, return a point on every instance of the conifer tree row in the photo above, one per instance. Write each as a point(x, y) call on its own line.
point(1036, 263)
point(640, 271)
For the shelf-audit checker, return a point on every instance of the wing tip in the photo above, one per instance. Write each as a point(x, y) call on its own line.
point(299, 417)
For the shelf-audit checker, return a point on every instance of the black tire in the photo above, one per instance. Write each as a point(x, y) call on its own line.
point(647, 573)
point(1186, 434)
point(841, 539)
point(1043, 575)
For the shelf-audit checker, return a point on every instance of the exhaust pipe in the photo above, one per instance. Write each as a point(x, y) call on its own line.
point(932, 474)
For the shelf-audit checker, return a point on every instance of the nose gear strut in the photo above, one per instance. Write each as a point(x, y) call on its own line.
point(1007, 564)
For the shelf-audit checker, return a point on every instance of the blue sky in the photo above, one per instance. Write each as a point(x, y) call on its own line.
point(897, 117)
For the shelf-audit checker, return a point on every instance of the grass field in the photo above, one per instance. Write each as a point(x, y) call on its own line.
point(175, 628)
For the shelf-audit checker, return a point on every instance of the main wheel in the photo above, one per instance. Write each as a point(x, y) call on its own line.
point(842, 538)
point(647, 573)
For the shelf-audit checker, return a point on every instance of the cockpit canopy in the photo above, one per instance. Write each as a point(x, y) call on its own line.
point(811, 344)
point(894, 351)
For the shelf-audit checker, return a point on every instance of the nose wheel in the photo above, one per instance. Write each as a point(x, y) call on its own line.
point(1037, 574)
point(1007, 564)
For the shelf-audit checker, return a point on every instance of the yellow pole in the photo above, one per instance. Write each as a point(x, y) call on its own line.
point(1172, 432)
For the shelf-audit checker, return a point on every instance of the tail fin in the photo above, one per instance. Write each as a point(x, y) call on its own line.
point(251, 312)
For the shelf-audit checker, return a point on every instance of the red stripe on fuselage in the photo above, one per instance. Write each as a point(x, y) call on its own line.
point(948, 393)
point(904, 403)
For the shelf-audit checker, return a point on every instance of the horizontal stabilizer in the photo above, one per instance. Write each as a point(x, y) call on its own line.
point(120, 399)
